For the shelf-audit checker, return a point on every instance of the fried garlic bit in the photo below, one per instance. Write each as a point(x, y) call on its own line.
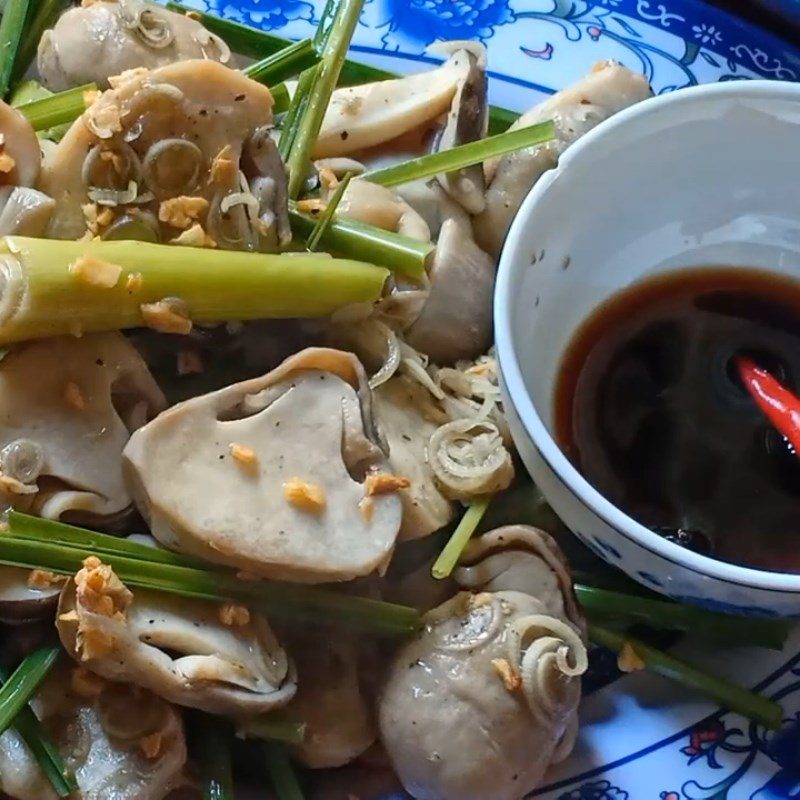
point(233, 615)
point(166, 316)
point(134, 281)
point(245, 456)
point(44, 579)
point(96, 219)
point(629, 660)
point(182, 212)
point(96, 272)
point(150, 745)
point(384, 484)
point(510, 677)
point(194, 237)
point(305, 496)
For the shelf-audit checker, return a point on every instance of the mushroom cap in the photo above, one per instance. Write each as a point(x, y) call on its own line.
point(450, 724)
point(99, 734)
point(607, 89)
point(309, 419)
point(91, 43)
point(19, 142)
point(176, 131)
point(80, 437)
point(20, 603)
point(180, 650)
point(408, 418)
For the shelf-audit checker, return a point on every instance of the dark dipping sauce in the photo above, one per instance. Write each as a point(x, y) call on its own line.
point(650, 408)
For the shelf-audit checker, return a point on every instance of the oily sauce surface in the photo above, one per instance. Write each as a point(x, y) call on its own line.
point(650, 408)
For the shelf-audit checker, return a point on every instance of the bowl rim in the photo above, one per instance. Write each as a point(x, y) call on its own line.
point(511, 372)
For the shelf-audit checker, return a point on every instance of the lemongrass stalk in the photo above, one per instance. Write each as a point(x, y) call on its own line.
point(464, 155)
point(731, 696)
point(291, 601)
point(273, 727)
point(334, 52)
point(47, 756)
point(39, 18)
point(284, 64)
point(348, 237)
point(326, 218)
point(280, 98)
point(42, 297)
point(281, 773)
point(11, 26)
point(212, 743)
point(603, 603)
point(23, 683)
point(297, 107)
point(58, 109)
point(448, 558)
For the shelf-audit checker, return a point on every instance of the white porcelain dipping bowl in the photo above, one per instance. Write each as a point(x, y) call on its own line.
point(704, 176)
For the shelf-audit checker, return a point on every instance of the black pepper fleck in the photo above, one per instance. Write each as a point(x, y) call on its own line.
point(344, 136)
point(239, 98)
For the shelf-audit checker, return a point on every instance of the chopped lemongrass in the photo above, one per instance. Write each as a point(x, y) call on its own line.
point(281, 773)
point(448, 558)
point(38, 20)
point(725, 628)
point(280, 98)
point(464, 155)
point(44, 299)
point(346, 237)
point(212, 744)
point(286, 63)
point(11, 27)
point(731, 696)
point(45, 752)
point(23, 683)
point(274, 727)
point(326, 218)
point(58, 109)
point(334, 51)
point(297, 107)
point(215, 585)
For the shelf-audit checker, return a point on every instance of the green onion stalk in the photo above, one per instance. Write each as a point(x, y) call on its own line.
point(23, 683)
point(58, 109)
point(448, 558)
point(281, 773)
point(285, 64)
point(273, 727)
point(731, 696)
point(12, 26)
point(297, 107)
point(40, 296)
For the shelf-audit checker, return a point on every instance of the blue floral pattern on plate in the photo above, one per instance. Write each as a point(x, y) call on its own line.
point(641, 739)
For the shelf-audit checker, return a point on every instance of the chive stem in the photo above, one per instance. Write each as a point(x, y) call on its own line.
point(296, 110)
point(282, 773)
point(464, 155)
point(280, 98)
point(274, 728)
point(12, 25)
point(448, 558)
point(284, 64)
point(23, 683)
point(58, 109)
point(733, 697)
point(326, 217)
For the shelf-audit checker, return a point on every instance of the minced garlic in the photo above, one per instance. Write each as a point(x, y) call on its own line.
point(134, 281)
point(311, 206)
point(182, 212)
point(234, 616)
point(629, 660)
point(93, 643)
point(245, 456)
point(73, 396)
point(44, 579)
point(384, 484)
point(6, 163)
point(304, 495)
point(96, 272)
point(126, 75)
point(194, 237)
point(100, 591)
point(85, 683)
point(510, 677)
point(222, 169)
point(150, 745)
point(165, 318)
point(102, 119)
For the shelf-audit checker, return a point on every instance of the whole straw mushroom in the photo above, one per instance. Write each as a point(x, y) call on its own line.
point(607, 89)
point(68, 407)
point(119, 741)
point(221, 659)
point(283, 476)
point(97, 40)
point(177, 154)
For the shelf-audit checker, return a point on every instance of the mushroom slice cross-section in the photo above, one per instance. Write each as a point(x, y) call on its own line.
point(282, 476)
point(180, 649)
point(23, 600)
point(68, 406)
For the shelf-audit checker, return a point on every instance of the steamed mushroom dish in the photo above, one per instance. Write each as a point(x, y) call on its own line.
point(251, 417)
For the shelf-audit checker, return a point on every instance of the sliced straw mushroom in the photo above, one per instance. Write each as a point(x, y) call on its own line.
point(170, 142)
point(96, 41)
point(68, 407)
point(607, 89)
point(523, 559)
point(189, 652)
point(24, 211)
point(331, 701)
point(408, 417)
point(307, 498)
point(20, 156)
point(119, 741)
point(22, 600)
point(494, 674)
